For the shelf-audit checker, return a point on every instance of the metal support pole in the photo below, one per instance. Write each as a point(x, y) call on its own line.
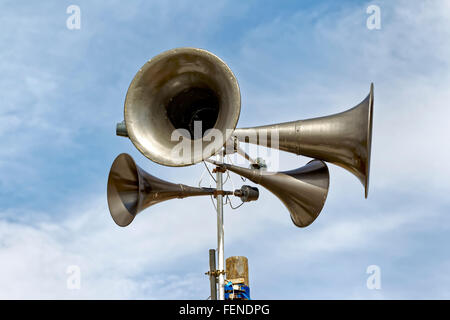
point(212, 273)
point(220, 241)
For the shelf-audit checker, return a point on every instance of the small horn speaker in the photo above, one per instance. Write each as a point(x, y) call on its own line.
point(303, 191)
point(131, 190)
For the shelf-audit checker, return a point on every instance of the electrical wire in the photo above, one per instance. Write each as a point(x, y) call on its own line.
point(209, 172)
point(201, 178)
point(228, 178)
point(214, 205)
point(212, 177)
point(228, 199)
point(234, 208)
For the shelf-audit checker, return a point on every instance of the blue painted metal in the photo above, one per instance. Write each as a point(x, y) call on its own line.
point(239, 291)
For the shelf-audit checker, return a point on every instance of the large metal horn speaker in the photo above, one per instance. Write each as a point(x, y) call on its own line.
point(343, 139)
point(178, 89)
point(131, 190)
point(303, 191)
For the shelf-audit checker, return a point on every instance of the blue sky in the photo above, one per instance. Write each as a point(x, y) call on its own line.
point(63, 91)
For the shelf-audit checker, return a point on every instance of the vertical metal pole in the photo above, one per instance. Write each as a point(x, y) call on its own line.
point(212, 273)
point(220, 241)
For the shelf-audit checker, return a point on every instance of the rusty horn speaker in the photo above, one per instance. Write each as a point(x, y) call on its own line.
point(181, 89)
point(343, 139)
point(303, 191)
point(131, 190)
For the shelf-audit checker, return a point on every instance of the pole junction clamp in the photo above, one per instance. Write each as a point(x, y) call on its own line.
point(220, 193)
point(219, 169)
point(215, 273)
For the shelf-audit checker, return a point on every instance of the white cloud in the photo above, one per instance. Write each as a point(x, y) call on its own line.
point(163, 254)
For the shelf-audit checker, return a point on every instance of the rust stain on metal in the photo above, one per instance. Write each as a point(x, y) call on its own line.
point(237, 267)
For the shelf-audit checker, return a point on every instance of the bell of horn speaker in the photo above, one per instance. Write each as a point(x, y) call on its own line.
point(179, 89)
point(303, 191)
point(343, 139)
point(131, 190)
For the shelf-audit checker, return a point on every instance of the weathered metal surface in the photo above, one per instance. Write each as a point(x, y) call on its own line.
point(212, 275)
point(172, 91)
point(131, 190)
point(237, 267)
point(121, 129)
point(344, 139)
point(303, 191)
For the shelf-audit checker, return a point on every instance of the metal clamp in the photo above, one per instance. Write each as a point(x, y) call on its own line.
point(219, 169)
point(215, 273)
point(219, 193)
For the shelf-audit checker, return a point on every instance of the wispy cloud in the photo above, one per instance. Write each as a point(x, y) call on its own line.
point(63, 91)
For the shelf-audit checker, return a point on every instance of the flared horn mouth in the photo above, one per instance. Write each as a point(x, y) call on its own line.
point(303, 191)
point(306, 200)
point(369, 140)
point(185, 94)
point(123, 190)
point(131, 190)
